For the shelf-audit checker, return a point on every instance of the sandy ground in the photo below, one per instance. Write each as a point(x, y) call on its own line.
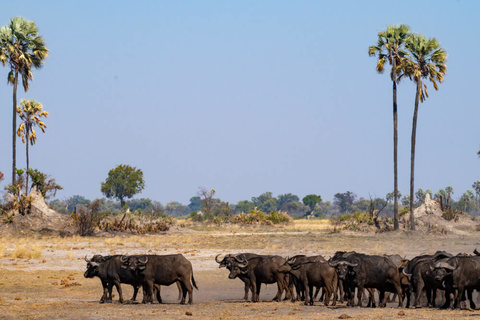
point(51, 285)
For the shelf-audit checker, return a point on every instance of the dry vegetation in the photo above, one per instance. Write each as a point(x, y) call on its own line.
point(42, 276)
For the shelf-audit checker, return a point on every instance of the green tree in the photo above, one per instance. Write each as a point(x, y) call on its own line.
point(283, 200)
point(22, 48)
point(176, 209)
point(265, 202)
point(76, 200)
point(344, 201)
point(195, 204)
point(123, 182)
point(311, 201)
point(426, 60)
point(30, 114)
point(244, 206)
point(390, 47)
point(476, 187)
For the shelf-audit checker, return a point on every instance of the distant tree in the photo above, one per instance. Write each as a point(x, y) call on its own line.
point(195, 204)
point(390, 48)
point(158, 208)
point(467, 199)
point(283, 199)
point(136, 204)
point(405, 200)
point(265, 202)
point(30, 114)
point(244, 206)
point(420, 195)
point(476, 187)
point(176, 209)
point(426, 59)
point(123, 181)
point(311, 201)
point(344, 201)
point(390, 196)
point(449, 191)
point(74, 201)
point(22, 48)
point(208, 202)
point(441, 196)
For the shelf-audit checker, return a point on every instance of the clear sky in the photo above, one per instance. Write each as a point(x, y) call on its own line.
point(244, 97)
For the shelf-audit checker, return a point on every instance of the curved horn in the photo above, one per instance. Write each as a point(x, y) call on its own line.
point(242, 256)
point(333, 264)
point(407, 274)
point(216, 260)
point(143, 262)
point(87, 259)
point(292, 260)
point(123, 259)
point(445, 265)
point(350, 264)
point(476, 252)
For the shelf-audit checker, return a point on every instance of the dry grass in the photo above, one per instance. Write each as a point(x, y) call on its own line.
point(27, 252)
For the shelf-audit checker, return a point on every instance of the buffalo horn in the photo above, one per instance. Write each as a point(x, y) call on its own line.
point(143, 262)
point(242, 256)
point(87, 259)
point(476, 252)
point(444, 265)
point(350, 264)
point(216, 260)
point(123, 259)
point(407, 274)
point(333, 264)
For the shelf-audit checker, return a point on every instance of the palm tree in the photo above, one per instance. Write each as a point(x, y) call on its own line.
point(389, 47)
point(30, 114)
point(21, 48)
point(426, 60)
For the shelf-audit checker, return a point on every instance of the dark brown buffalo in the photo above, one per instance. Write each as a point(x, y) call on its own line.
point(163, 270)
point(312, 272)
point(458, 274)
point(260, 269)
point(367, 271)
point(418, 271)
point(109, 270)
point(227, 262)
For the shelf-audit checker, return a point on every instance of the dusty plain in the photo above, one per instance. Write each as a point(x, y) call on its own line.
point(41, 276)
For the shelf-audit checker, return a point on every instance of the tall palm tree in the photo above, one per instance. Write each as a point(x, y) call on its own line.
point(427, 60)
point(390, 47)
point(30, 114)
point(21, 47)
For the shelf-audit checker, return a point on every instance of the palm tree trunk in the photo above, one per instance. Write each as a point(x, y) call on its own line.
point(26, 184)
point(395, 144)
point(14, 129)
point(412, 155)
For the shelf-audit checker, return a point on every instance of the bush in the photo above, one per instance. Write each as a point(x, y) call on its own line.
point(87, 219)
point(277, 217)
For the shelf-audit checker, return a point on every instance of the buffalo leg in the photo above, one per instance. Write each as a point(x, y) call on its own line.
point(469, 295)
point(119, 290)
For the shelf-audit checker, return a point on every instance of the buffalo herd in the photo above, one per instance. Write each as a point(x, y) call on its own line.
point(434, 280)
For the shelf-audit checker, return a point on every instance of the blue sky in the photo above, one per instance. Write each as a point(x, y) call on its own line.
point(244, 97)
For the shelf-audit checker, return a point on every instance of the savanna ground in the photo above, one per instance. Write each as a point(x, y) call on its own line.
point(42, 276)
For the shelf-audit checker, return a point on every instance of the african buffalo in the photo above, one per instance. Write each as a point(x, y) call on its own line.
point(227, 261)
point(367, 271)
point(162, 270)
point(258, 270)
point(312, 272)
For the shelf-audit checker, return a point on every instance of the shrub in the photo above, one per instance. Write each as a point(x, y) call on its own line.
point(277, 217)
point(87, 219)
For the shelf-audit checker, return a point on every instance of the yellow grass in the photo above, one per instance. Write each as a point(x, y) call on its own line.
point(309, 225)
point(27, 252)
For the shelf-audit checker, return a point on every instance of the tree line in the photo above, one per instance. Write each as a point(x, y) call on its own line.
point(124, 181)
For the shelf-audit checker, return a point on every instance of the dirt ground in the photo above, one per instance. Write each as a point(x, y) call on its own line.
point(42, 276)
